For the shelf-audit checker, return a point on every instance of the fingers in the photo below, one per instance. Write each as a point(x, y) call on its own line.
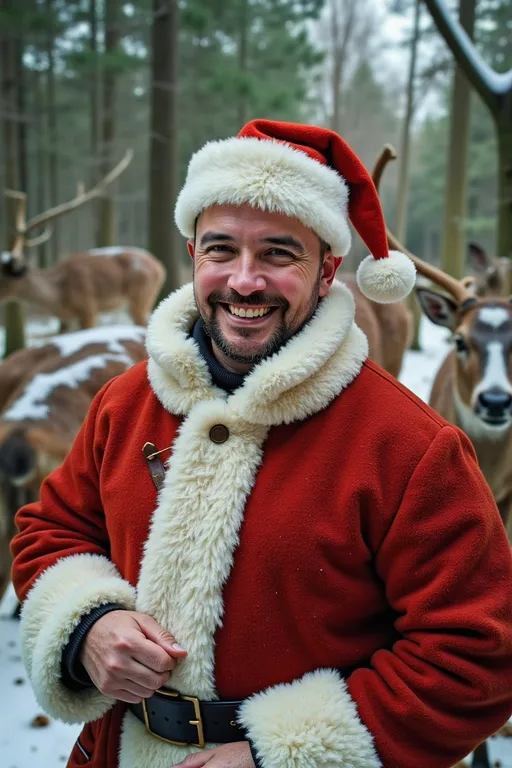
point(146, 677)
point(153, 656)
point(153, 631)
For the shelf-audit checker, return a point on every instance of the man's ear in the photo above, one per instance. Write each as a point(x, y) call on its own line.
point(329, 269)
point(190, 248)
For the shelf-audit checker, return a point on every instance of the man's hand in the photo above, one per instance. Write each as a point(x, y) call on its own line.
point(128, 655)
point(236, 755)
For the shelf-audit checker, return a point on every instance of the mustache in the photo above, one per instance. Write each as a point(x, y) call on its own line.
point(257, 298)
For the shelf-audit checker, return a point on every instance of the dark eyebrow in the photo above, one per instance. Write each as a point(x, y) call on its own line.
point(210, 237)
point(287, 240)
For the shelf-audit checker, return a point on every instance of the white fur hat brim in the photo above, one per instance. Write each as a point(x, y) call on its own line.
point(270, 175)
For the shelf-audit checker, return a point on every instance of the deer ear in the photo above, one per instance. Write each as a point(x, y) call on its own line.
point(479, 258)
point(439, 309)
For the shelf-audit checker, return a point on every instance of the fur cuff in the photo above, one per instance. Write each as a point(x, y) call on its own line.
point(310, 722)
point(54, 607)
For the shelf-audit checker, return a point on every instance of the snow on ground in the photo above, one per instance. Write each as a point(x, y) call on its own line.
point(21, 744)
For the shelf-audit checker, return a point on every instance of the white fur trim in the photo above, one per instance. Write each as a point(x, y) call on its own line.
point(301, 379)
point(310, 722)
point(189, 552)
point(195, 528)
point(270, 175)
point(65, 592)
point(194, 533)
point(386, 280)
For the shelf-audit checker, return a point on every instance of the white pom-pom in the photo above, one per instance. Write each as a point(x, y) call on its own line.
point(386, 280)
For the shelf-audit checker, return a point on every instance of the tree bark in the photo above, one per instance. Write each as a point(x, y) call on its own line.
point(108, 218)
point(242, 61)
point(340, 40)
point(164, 239)
point(95, 109)
point(53, 137)
point(495, 89)
point(41, 143)
point(94, 89)
point(453, 256)
point(403, 169)
point(403, 155)
point(9, 69)
point(504, 129)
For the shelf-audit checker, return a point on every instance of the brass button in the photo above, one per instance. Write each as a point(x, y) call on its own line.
point(219, 433)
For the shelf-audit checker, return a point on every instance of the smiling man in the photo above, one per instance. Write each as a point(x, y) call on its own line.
point(258, 277)
point(262, 550)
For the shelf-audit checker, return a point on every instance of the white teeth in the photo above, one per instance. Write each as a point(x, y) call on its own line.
point(239, 312)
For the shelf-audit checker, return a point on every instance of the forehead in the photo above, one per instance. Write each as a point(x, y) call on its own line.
point(493, 320)
point(246, 221)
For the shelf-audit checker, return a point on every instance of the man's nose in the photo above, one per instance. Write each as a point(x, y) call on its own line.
point(246, 277)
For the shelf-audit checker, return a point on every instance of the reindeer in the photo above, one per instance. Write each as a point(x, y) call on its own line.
point(87, 283)
point(473, 387)
point(46, 406)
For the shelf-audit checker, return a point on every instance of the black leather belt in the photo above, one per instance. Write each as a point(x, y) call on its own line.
point(184, 720)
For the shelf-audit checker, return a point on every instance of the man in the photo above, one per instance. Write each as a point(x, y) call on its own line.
point(299, 556)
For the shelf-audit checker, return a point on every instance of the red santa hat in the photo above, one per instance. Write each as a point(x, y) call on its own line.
point(307, 173)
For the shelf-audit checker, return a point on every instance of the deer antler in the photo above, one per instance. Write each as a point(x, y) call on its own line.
point(40, 239)
point(388, 153)
point(82, 197)
point(459, 289)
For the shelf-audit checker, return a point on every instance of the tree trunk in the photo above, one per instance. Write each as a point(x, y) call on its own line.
point(340, 40)
point(108, 219)
point(10, 64)
point(242, 61)
point(504, 130)
point(94, 89)
point(164, 239)
point(94, 101)
point(496, 92)
point(40, 143)
point(404, 153)
point(53, 138)
point(403, 170)
point(453, 258)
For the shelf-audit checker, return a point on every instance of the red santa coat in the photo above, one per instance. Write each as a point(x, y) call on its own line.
point(338, 562)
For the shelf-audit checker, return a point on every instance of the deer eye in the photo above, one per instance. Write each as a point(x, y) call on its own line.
point(461, 345)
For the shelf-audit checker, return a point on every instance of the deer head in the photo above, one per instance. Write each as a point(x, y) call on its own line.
point(492, 274)
point(12, 262)
point(482, 338)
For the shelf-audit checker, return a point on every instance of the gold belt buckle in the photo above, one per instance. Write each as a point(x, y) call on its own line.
point(198, 722)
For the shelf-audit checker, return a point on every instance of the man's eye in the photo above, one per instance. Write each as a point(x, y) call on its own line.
point(218, 249)
point(279, 252)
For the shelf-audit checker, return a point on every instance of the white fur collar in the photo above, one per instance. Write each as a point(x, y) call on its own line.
point(298, 381)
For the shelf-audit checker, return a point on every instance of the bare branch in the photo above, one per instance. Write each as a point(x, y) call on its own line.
point(80, 199)
point(489, 84)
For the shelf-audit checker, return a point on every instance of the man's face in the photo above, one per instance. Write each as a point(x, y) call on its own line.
point(257, 280)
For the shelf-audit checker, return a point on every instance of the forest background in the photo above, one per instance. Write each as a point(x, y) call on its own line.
point(83, 80)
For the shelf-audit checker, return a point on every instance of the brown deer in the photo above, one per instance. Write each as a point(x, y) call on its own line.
point(45, 407)
point(473, 387)
point(87, 283)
